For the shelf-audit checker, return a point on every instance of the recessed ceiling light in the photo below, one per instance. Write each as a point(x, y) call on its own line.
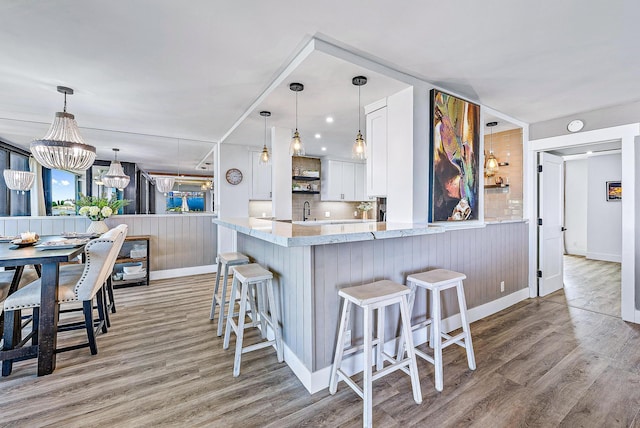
point(318, 136)
point(575, 125)
point(589, 152)
point(324, 149)
point(329, 119)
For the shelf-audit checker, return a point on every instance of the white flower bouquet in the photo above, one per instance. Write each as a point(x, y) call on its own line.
point(97, 209)
point(365, 206)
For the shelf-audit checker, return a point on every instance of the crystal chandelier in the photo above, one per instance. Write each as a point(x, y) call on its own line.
point(165, 184)
point(18, 180)
point(63, 147)
point(296, 148)
point(491, 163)
point(358, 151)
point(264, 155)
point(116, 177)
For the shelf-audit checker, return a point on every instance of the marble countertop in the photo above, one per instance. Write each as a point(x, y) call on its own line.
point(295, 235)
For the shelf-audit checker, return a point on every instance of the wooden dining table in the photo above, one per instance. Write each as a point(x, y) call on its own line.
point(49, 259)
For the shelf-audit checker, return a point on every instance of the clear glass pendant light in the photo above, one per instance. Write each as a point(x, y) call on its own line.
point(265, 157)
point(63, 147)
point(359, 149)
point(296, 148)
point(116, 177)
point(491, 163)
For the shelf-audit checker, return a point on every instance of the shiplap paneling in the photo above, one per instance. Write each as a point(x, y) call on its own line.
point(177, 241)
point(498, 252)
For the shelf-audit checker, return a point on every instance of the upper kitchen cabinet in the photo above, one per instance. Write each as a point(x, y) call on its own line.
point(343, 181)
point(260, 179)
point(376, 149)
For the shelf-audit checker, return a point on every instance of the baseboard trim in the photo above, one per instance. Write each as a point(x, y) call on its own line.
point(605, 257)
point(319, 380)
point(576, 252)
point(176, 273)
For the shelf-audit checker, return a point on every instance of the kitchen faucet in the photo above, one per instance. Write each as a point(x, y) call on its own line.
point(306, 210)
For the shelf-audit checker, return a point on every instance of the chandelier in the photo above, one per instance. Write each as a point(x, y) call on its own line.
point(359, 148)
point(63, 147)
point(18, 180)
point(165, 184)
point(116, 177)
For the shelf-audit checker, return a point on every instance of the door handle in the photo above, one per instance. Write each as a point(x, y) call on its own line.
point(562, 229)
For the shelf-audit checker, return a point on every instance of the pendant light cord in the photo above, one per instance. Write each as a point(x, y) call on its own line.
point(296, 110)
point(359, 127)
point(265, 131)
point(65, 103)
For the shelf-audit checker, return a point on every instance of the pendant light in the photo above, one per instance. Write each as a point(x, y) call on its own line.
point(359, 149)
point(63, 147)
point(116, 177)
point(265, 158)
point(296, 148)
point(491, 163)
point(165, 184)
point(20, 181)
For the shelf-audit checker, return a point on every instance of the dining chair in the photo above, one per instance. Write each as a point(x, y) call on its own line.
point(72, 287)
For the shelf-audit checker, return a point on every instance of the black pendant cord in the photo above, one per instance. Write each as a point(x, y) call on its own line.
point(265, 131)
point(359, 127)
point(65, 103)
point(296, 111)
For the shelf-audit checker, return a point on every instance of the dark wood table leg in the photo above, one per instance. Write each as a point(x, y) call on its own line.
point(48, 323)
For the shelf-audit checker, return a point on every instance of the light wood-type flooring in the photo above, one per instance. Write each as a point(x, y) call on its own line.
point(540, 363)
point(593, 285)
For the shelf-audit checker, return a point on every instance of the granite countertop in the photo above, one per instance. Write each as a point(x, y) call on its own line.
point(296, 235)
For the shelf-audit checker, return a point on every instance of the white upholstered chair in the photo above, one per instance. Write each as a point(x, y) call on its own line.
point(72, 287)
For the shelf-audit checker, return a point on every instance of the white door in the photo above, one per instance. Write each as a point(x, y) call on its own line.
point(550, 232)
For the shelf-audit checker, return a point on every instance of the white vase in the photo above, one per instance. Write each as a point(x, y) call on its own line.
point(98, 227)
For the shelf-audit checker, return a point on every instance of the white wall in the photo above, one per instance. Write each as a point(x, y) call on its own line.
point(575, 219)
point(604, 219)
point(234, 200)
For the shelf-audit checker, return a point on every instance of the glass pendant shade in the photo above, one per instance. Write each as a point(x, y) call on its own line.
point(165, 184)
point(18, 180)
point(491, 165)
point(116, 177)
point(264, 156)
point(296, 148)
point(63, 147)
point(358, 151)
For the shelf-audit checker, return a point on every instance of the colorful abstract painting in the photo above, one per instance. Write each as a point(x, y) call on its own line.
point(455, 150)
point(614, 191)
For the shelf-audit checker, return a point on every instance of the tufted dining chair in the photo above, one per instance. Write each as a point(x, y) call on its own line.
point(72, 287)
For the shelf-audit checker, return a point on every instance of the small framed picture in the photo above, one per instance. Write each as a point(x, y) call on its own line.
point(614, 191)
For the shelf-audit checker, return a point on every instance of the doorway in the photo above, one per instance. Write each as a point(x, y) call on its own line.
point(626, 135)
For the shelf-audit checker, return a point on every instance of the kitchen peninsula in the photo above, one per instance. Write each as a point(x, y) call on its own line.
point(311, 263)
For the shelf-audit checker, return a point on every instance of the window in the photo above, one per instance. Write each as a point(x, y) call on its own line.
point(64, 192)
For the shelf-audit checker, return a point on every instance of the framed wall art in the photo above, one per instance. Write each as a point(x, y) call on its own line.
point(454, 158)
point(614, 191)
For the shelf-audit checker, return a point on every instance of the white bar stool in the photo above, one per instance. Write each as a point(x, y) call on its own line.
point(435, 281)
point(227, 260)
point(252, 276)
point(377, 295)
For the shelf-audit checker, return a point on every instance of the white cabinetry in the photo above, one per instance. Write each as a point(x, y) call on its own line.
point(260, 179)
point(343, 181)
point(377, 151)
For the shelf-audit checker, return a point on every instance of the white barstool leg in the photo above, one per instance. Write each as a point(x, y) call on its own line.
point(244, 295)
point(337, 360)
point(229, 327)
point(262, 303)
point(274, 308)
point(437, 337)
point(223, 301)
point(212, 315)
point(367, 381)
point(405, 317)
point(471, 359)
point(380, 346)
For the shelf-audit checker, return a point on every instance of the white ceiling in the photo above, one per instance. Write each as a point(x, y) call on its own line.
point(157, 71)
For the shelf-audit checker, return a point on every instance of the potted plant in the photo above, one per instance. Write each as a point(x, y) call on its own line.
point(97, 209)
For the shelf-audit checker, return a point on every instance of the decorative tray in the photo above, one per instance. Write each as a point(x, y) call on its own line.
point(62, 244)
point(19, 243)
